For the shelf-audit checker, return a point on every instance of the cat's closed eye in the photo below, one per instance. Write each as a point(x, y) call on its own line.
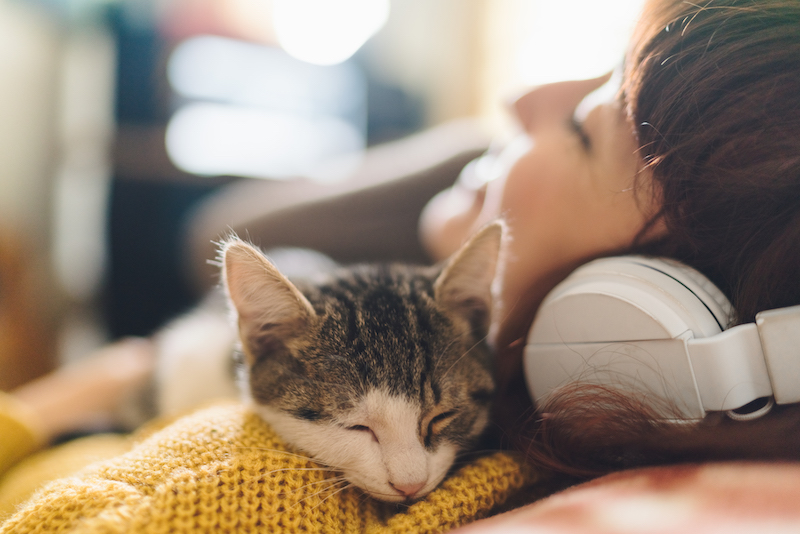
point(363, 428)
point(437, 423)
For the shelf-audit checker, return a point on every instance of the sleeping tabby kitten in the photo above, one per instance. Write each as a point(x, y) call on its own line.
point(381, 372)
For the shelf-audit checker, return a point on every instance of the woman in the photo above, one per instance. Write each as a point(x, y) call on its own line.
point(691, 153)
point(696, 156)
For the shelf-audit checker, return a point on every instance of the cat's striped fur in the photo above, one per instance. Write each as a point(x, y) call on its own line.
point(381, 372)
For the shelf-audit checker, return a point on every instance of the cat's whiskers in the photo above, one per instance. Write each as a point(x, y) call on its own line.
point(293, 469)
point(481, 340)
point(323, 466)
point(329, 483)
point(331, 480)
point(287, 453)
point(299, 502)
point(444, 350)
point(348, 485)
point(363, 497)
point(343, 483)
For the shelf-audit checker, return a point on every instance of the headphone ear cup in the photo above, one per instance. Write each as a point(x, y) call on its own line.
point(704, 289)
point(624, 322)
point(630, 298)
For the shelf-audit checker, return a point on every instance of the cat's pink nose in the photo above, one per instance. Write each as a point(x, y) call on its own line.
point(408, 489)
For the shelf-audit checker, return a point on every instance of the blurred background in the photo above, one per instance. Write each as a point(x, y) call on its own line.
point(117, 117)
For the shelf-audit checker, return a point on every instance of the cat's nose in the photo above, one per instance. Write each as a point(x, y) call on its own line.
point(409, 490)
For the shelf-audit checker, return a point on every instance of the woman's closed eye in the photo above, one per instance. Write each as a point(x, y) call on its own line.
point(577, 128)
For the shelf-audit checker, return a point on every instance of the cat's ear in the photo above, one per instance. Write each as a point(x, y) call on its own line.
point(465, 284)
point(270, 308)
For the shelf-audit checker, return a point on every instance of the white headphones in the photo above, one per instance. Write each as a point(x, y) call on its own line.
point(657, 329)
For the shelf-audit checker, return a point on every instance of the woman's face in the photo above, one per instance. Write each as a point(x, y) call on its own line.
point(565, 187)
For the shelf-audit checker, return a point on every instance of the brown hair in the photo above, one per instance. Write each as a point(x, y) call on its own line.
point(714, 92)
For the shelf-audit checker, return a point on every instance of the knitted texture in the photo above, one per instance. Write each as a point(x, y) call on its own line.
point(17, 439)
point(224, 470)
point(20, 482)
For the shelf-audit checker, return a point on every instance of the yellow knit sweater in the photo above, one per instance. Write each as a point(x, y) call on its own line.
point(223, 469)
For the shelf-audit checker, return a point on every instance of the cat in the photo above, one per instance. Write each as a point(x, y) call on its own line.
point(381, 372)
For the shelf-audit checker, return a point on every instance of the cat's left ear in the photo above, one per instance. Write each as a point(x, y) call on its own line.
point(465, 284)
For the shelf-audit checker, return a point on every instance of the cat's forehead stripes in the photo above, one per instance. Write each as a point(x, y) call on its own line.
point(387, 320)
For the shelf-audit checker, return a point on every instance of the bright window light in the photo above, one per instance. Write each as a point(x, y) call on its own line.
point(226, 70)
point(216, 139)
point(574, 39)
point(326, 32)
point(255, 111)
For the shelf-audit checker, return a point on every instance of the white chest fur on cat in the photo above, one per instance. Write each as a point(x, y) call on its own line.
point(195, 361)
point(381, 373)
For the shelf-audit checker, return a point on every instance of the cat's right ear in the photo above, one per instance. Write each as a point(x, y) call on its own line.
point(465, 284)
point(270, 309)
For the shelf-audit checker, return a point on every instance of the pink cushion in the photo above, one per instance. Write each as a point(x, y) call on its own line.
point(705, 498)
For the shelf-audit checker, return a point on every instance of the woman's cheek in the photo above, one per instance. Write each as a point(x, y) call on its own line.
point(448, 220)
point(531, 202)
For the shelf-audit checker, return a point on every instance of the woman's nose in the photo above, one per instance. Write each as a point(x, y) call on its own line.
point(553, 101)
